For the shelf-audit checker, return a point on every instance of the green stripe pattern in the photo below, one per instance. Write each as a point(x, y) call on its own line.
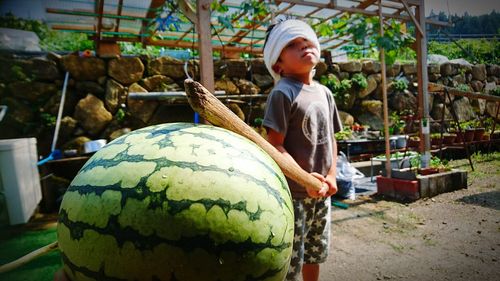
point(177, 201)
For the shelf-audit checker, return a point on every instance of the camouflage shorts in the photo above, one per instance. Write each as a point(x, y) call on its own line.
point(312, 234)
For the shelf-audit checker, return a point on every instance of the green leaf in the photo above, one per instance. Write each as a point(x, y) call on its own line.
point(225, 21)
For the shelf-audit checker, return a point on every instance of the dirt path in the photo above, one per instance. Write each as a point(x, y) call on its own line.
point(453, 236)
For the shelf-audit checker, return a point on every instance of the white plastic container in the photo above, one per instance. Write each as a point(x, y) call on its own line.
point(20, 190)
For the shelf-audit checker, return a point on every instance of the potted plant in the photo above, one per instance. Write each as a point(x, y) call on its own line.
point(449, 138)
point(468, 131)
point(414, 141)
point(398, 160)
point(436, 139)
point(479, 129)
point(345, 134)
point(436, 165)
point(397, 125)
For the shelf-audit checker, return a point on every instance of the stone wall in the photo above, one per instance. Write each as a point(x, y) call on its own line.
point(97, 103)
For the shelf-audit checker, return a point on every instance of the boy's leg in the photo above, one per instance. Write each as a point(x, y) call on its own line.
point(317, 240)
point(310, 272)
point(298, 241)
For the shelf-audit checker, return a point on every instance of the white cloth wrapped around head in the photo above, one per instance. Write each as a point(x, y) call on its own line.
point(280, 36)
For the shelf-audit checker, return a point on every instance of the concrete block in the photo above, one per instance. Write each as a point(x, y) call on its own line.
point(424, 187)
point(434, 184)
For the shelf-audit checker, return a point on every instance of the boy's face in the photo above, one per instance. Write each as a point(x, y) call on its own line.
point(299, 56)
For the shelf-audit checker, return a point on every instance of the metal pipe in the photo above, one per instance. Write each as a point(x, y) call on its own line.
point(173, 95)
point(3, 110)
point(59, 113)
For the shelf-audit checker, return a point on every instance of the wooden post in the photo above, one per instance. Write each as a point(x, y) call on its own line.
point(205, 44)
point(384, 96)
point(423, 98)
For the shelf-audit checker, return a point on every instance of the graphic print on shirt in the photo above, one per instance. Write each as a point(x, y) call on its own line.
point(314, 124)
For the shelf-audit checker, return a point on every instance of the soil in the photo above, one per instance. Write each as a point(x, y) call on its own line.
point(452, 236)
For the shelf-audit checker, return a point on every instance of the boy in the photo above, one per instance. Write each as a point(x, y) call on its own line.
point(301, 119)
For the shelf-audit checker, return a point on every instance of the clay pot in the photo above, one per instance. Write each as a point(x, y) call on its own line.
point(428, 171)
point(449, 139)
point(436, 141)
point(478, 134)
point(469, 135)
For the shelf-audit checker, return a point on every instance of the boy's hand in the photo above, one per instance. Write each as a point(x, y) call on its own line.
point(331, 181)
point(318, 193)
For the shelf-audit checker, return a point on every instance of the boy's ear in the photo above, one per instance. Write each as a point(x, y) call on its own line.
point(277, 69)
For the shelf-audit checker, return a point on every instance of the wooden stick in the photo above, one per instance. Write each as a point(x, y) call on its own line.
point(29, 257)
point(438, 88)
point(215, 112)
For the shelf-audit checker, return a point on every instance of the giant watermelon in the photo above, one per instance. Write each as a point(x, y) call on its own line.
point(177, 202)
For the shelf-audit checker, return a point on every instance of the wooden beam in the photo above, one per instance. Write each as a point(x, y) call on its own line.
point(439, 89)
point(91, 29)
point(278, 12)
point(359, 11)
point(73, 27)
point(86, 13)
point(385, 5)
point(99, 9)
point(411, 2)
point(423, 97)
point(119, 12)
point(384, 96)
point(362, 5)
point(250, 26)
point(187, 10)
point(151, 14)
point(415, 22)
point(203, 15)
point(117, 39)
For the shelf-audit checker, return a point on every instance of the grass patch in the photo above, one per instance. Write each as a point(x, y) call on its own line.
point(15, 244)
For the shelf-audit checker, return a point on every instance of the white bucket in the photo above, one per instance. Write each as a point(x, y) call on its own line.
point(93, 146)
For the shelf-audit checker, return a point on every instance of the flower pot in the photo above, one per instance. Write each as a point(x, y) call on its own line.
point(428, 171)
point(459, 138)
point(401, 141)
point(436, 141)
point(413, 142)
point(449, 139)
point(469, 135)
point(478, 134)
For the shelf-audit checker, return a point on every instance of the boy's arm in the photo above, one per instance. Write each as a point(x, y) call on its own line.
point(277, 140)
point(331, 177)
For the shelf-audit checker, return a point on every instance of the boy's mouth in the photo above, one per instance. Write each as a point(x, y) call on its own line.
point(308, 53)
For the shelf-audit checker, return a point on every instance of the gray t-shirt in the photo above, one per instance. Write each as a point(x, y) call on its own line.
point(308, 118)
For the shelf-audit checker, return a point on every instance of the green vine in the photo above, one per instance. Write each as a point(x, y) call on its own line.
point(249, 12)
point(365, 37)
point(495, 92)
point(359, 81)
point(48, 120)
point(400, 84)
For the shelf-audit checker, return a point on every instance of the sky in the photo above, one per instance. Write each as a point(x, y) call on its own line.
point(35, 8)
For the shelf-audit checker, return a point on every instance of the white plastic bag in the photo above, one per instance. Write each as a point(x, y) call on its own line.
point(346, 177)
